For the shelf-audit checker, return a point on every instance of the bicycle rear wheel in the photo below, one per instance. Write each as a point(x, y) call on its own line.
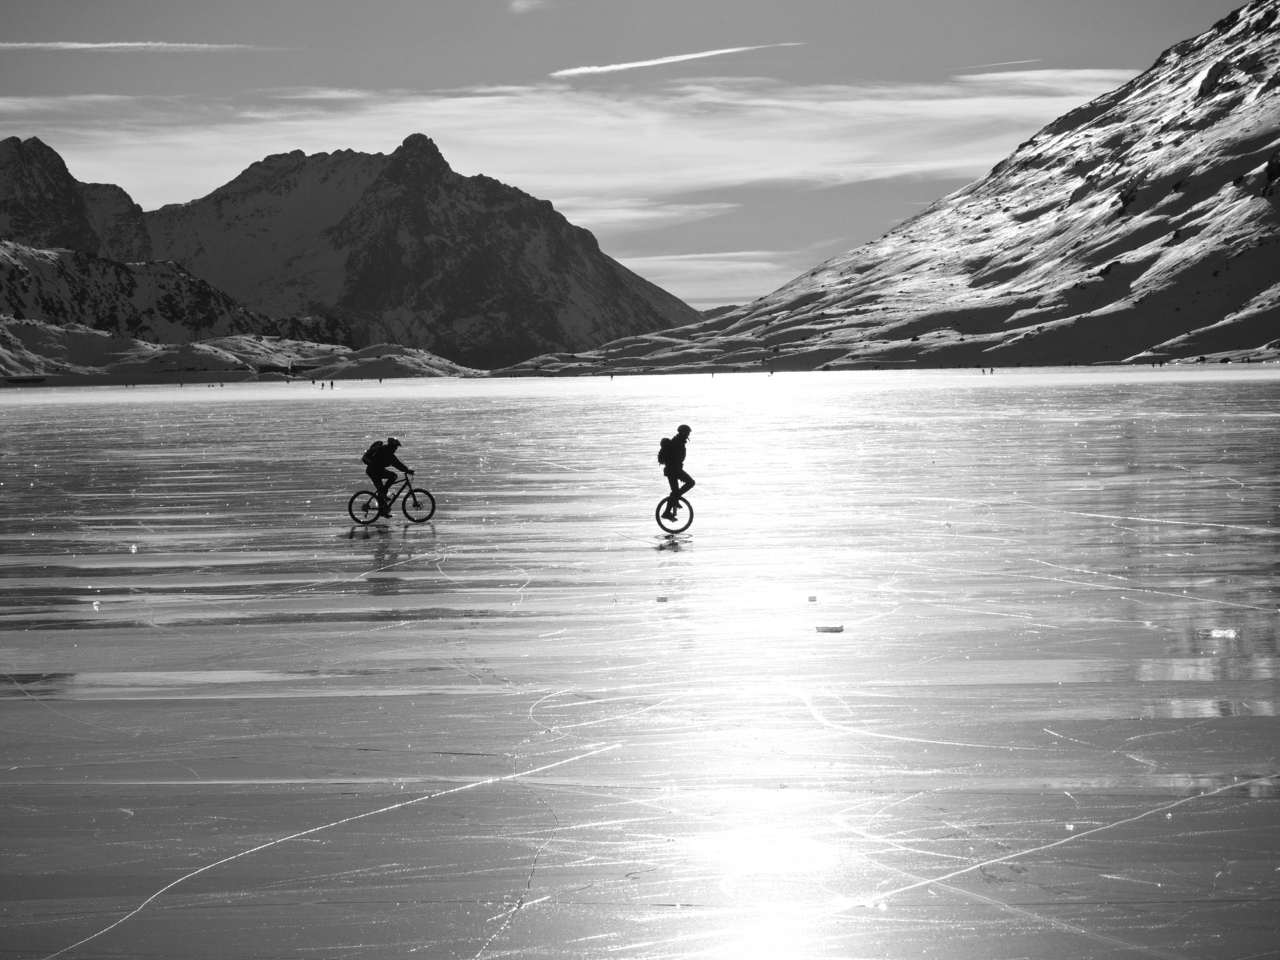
point(418, 505)
point(684, 515)
point(363, 507)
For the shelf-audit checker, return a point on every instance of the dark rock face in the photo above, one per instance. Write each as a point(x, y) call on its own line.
point(404, 249)
point(40, 202)
point(259, 237)
point(117, 221)
point(1141, 227)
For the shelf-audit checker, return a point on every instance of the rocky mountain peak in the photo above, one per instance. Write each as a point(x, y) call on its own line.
point(417, 160)
point(411, 176)
point(31, 154)
point(40, 202)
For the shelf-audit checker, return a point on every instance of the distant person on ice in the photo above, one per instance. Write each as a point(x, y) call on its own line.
point(671, 453)
point(378, 460)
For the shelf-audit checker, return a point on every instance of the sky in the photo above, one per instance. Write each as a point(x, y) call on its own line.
point(717, 147)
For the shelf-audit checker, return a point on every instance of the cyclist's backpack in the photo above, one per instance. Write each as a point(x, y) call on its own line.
point(369, 454)
point(664, 449)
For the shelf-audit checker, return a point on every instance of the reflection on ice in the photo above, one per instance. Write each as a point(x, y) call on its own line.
point(1206, 669)
point(1184, 707)
point(237, 725)
point(32, 684)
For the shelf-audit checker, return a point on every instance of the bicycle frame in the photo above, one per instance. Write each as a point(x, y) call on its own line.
point(399, 487)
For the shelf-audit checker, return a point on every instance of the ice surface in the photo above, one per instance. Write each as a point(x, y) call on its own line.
point(237, 726)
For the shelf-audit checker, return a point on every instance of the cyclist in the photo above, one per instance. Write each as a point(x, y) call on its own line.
point(378, 459)
point(673, 468)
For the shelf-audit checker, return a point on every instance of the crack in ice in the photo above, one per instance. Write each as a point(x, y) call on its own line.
point(336, 823)
point(924, 882)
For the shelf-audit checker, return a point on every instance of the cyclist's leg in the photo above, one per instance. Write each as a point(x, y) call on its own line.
point(388, 481)
point(382, 479)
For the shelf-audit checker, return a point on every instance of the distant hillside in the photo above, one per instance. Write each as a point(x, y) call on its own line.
point(157, 301)
point(1141, 227)
point(31, 349)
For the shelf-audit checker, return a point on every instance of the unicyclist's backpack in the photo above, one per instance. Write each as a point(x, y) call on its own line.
point(372, 452)
point(664, 449)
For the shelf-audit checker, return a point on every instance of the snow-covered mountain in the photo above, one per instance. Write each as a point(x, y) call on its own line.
point(404, 249)
point(153, 300)
point(1140, 227)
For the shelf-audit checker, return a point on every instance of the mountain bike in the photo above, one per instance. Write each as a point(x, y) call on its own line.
point(682, 522)
point(418, 504)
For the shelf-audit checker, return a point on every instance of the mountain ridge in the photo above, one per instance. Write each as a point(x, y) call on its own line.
point(407, 250)
point(380, 247)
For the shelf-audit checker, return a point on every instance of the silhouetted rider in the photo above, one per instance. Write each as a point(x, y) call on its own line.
point(378, 459)
point(673, 468)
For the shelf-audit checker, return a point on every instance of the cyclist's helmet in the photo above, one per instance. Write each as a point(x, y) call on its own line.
point(683, 429)
point(392, 442)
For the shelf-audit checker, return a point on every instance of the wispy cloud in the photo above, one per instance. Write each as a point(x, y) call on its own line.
point(634, 65)
point(712, 279)
point(635, 213)
point(527, 6)
point(133, 46)
point(619, 160)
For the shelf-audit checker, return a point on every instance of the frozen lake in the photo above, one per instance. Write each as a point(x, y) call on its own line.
point(950, 666)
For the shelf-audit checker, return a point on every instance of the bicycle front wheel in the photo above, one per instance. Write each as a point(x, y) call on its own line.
point(363, 507)
point(418, 505)
point(684, 515)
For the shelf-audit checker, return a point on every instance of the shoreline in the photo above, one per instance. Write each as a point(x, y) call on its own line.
point(30, 383)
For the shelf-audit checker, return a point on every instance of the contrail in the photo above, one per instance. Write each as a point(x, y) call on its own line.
point(1002, 63)
point(146, 46)
point(615, 67)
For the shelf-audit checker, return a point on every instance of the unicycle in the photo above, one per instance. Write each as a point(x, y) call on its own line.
point(684, 516)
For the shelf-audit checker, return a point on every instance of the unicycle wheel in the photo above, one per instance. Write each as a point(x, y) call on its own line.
point(684, 515)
